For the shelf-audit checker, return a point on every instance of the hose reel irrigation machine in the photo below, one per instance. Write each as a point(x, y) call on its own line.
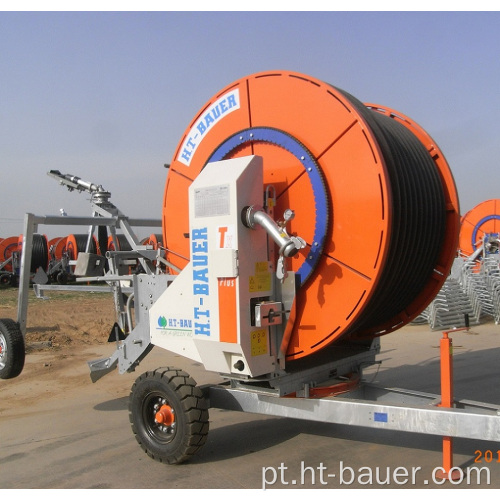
point(300, 225)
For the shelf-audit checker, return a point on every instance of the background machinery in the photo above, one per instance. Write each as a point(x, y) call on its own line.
point(480, 230)
point(471, 293)
point(8, 259)
point(299, 226)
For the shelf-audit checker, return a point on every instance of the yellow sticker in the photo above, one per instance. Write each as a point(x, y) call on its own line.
point(252, 285)
point(258, 342)
point(261, 267)
point(261, 281)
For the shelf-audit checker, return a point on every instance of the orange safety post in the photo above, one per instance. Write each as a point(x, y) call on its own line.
point(447, 401)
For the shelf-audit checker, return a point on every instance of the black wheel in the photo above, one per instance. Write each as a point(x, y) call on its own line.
point(62, 278)
point(169, 415)
point(12, 352)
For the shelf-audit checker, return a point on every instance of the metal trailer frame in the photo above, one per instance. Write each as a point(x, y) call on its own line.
point(104, 213)
point(31, 223)
point(371, 406)
point(289, 395)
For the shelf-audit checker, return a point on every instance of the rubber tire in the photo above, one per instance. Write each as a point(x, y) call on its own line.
point(191, 415)
point(13, 352)
point(62, 278)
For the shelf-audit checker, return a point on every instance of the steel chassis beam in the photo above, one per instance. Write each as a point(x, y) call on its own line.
point(370, 406)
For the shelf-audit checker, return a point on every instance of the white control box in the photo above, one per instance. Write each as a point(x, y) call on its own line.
point(207, 313)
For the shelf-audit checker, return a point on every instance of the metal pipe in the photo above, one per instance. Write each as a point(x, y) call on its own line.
point(287, 246)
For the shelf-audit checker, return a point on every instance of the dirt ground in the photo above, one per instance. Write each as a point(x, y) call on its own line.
point(63, 318)
point(58, 330)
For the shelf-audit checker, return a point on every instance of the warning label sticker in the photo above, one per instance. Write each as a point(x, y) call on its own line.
point(261, 280)
point(258, 342)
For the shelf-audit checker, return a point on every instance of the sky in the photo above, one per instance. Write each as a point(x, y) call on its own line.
point(107, 95)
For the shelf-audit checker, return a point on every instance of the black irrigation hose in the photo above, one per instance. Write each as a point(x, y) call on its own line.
point(39, 253)
point(418, 220)
point(123, 243)
point(81, 244)
point(102, 239)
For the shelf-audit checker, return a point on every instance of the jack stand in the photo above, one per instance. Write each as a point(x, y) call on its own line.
point(448, 472)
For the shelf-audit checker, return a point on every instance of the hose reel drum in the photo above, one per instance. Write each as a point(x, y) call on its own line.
point(373, 197)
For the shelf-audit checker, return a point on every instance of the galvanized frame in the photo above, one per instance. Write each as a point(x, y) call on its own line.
point(373, 407)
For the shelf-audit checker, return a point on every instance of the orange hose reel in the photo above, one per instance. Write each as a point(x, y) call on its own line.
point(76, 243)
point(481, 220)
point(337, 163)
point(155, 240)
point(7, 247)
point(122, 243)
point(56, 247)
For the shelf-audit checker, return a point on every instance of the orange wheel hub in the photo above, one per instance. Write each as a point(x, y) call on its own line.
point(165, 415)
